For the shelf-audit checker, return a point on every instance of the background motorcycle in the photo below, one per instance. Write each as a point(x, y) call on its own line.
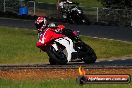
point(72, 13)
point(69, 48)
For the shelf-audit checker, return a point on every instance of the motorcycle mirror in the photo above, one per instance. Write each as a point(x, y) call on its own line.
point(78, 33)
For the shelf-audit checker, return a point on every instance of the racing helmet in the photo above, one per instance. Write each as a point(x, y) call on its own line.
point(41, 23)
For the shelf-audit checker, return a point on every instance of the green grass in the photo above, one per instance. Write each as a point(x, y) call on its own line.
point(47, 1)
point(85, 3)
point(69, 83)
point(109, 48)
point(19, 46)
point(88, 6)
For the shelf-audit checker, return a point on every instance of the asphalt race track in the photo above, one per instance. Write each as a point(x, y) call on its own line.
point(109, 32)
point(118, 63)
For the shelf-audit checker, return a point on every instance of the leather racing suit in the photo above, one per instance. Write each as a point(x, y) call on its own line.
point(48, 35)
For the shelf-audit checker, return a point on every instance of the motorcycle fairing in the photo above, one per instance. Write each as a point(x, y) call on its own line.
point(55, 46)
point(68, 44)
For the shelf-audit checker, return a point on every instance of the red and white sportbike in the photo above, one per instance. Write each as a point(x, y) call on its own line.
point(64, 45)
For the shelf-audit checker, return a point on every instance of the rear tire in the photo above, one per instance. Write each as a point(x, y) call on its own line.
point(55, 57)
point(89, 57)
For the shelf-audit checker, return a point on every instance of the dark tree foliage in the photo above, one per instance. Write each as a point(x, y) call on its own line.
point(117, 3)
point(12, 3)
point(1, 4)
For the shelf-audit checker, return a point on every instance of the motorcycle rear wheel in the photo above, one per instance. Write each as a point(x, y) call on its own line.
point(89, 57)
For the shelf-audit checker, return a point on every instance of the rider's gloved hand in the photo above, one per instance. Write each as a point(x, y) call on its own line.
point(39, 44)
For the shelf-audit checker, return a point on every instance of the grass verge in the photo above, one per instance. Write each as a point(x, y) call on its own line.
point(69, 83)
point(19, 46)
point(85, 3)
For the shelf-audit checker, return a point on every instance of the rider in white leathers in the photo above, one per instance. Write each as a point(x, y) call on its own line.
point(61, 3)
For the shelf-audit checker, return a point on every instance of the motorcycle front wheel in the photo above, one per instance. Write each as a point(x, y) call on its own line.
point(56, 57)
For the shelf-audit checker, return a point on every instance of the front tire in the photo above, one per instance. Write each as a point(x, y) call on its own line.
point(56, 57)
point(51, 61)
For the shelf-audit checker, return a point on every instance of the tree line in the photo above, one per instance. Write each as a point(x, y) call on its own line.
point(120, 4)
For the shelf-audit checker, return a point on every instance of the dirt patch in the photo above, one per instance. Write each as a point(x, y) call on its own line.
point(42, 74)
